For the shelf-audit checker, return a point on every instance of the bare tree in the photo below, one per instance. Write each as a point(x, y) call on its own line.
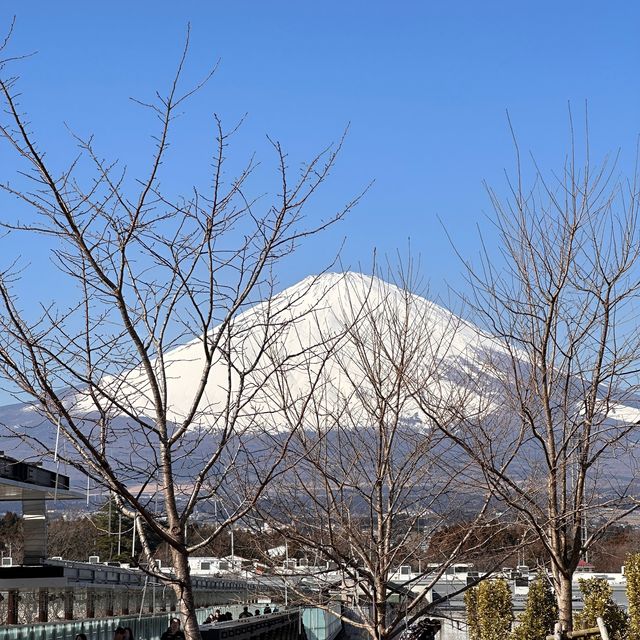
point(373, 480)
point(561, 299)
point(150, 361)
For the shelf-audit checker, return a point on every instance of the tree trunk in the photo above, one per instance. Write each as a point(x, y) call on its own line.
point(381, 620)
point(184, 593)
point(565, 601)
point(380, 608)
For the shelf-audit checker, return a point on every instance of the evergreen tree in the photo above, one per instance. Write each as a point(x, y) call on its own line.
point(495, 610)
point(540, 613)
point(108, 527)
point(598, 602)
point(632, 572)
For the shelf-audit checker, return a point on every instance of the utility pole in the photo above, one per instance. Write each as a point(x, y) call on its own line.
point(286, 568)
point(233, 555)
point(119, 533)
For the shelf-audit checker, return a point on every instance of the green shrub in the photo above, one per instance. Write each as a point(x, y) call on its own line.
point(598, 602)
point(494, 610)
point(471, 606)
point(540, 612)
point(632, 572)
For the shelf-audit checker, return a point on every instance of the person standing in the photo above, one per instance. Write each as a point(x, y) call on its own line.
point(173, 632)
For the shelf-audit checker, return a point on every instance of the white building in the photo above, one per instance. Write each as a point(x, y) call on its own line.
point(210, 565)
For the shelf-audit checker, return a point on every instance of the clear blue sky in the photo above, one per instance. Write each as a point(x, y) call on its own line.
point(425, 86)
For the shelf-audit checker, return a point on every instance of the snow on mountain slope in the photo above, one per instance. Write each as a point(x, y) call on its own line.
point(279, 350)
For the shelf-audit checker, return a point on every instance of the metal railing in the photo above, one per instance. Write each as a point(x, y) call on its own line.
point(319, 624)
point(145, 627)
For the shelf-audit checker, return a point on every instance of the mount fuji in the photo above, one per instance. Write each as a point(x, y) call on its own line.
point(329, 336)
point(317, 337)
point(312, 333)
